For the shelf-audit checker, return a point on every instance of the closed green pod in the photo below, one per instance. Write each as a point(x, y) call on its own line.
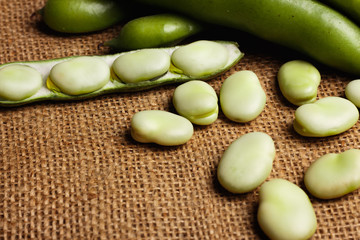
point(307, 26)
point(160, 30)
point(350, 8)
point(81, 16)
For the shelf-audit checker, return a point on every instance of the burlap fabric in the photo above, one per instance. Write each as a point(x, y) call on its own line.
point(70, 170)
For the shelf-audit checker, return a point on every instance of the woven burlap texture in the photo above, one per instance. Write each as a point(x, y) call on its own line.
point(70, 170)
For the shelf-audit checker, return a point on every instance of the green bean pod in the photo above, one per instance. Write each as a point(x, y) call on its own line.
point(82, 77)
point(350, 8)
point(81, 16)
point(160, 30)
point(307, 26)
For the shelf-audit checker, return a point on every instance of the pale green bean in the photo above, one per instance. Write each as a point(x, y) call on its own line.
point(18, 82)
point(242, 98)
point(161, 127)
point(334, 175)
point(247, 162)
point(298, 81)
point(325, 117)
point(285, 211)
point(197, 101)
point(80, 75)
point(142, 65)
point(200, 58)
point(352, 92)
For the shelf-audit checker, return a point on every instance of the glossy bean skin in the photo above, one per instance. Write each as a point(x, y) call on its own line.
point(307, 26)
point(82, 16)
point(285, 211)
point(197, 101)
point(141, 65)
point(161, 127)
point(298, 81)
point(247, 162)
point(334, 175)
point(242, 98)
point(325, 117)
point(80, 75)
point(160, 30)
point(199, 58)
point(350, 8)
point(352, 92)
point(18, 82)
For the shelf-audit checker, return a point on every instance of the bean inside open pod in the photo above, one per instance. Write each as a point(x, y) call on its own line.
point(18, 82)
point(79, 75)
point(142, 65)
point(200, 58)
point(67, 82)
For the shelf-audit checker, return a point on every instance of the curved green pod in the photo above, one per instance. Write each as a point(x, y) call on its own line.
point(159, 30)
point(51, 90)
point(350, 8)
point(307, 26)
point(81, 16)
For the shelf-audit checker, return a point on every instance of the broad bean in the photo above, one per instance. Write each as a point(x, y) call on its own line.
point(81, 77)
point(307, 26)
point(142, 65)
point(18, 82)
point(247, 162)
point(334, 175)
point(160, 30)
point(161, 127)
point(298, 81)
point(200, 58)
point(352, 92)
point(325, 117)
point(197, 101)
point(285, 211)
point(242, 98)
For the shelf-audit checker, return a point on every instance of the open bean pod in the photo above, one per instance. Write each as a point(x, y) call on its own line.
point(81, 77)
